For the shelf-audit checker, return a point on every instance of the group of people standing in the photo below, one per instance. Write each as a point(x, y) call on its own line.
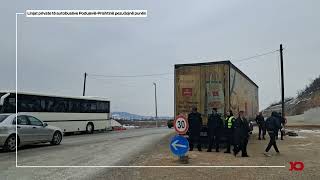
point(235, 130)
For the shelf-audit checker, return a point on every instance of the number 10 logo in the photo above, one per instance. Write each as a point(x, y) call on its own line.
point(181, 124)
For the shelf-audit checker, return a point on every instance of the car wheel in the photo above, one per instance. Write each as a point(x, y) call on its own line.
point(90, 128)
point(10, 144)
point(57, 138)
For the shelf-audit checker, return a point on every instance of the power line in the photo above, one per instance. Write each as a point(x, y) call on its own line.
point(130, 76)
point(252, 57)
point(163, 74)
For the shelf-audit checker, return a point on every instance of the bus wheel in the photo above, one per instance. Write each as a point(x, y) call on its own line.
point(90, 128)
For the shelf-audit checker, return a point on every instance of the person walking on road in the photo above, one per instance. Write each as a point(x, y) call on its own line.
point(241, 135)
point(272, 125)
point(279, 127)
point(215, 125)
point(262, 126)
point(195, 125)
point(229, 130)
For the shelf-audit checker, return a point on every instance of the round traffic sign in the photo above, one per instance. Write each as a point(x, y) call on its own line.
point(179, 145)
point(181, 124)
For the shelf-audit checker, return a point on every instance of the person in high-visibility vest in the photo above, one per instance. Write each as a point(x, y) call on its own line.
point(229, 129)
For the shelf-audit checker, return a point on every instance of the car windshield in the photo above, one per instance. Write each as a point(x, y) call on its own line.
point(3, 117)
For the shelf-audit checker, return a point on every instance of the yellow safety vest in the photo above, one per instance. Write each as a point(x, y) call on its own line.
point(229, 122)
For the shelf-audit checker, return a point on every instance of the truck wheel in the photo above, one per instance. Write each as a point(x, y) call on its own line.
point(56, 139)
point(90, 128)
point(10, 144)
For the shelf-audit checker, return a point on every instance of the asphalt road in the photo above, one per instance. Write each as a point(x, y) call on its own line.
point(100, 149)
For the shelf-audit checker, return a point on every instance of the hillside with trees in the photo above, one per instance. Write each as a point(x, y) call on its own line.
point(307, 98)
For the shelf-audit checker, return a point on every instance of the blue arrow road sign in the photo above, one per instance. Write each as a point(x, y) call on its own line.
point(179, 145)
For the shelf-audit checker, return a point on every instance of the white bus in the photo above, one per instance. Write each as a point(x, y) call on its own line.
point(71, 114)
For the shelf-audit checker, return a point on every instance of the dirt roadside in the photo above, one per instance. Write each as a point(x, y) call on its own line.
point(304, 147)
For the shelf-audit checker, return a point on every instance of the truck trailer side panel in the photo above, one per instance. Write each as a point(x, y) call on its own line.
point(243, 94)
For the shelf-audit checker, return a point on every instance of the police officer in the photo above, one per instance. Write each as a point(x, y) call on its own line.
point(195, 125)
point(272, 125)
point(229, 130)
point(262, 126)
point(215, 124)
point(241, 135)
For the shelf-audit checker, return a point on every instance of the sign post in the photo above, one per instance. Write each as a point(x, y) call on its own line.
point(179, 145)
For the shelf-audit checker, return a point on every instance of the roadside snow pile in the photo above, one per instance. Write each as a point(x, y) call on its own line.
point(303, 145)
point(309, 117)
point(127, 126)
point(309, 131)
point(298, 137)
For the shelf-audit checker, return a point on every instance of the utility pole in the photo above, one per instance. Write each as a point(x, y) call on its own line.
point(84, 84)
point(282, 80)
point(155, 101)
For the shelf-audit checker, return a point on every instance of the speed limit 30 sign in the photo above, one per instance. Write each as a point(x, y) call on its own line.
point(181, 124)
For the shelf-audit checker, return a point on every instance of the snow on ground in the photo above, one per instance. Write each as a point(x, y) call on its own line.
point(310, 117)
point(309, 131)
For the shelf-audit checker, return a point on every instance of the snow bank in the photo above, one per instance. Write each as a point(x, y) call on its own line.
point(310, 117)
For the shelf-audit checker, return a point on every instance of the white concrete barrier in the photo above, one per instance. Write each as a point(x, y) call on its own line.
point(310, 117)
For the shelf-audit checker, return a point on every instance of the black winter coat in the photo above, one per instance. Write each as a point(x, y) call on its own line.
point(241, 130)
point(273, 123)
point(195, 123)
point(215, 123)
point(260, 121)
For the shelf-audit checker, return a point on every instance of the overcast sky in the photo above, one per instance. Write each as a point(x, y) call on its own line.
point(54, 53)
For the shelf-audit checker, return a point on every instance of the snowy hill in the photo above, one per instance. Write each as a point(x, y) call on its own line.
point(303, 109)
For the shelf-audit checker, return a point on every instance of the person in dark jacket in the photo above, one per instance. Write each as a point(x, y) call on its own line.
point(279, 127)
point(195, 125)
point(262, 126)
point(272, 125)
point(229, 129)
point(241, 135)
point(215, 125)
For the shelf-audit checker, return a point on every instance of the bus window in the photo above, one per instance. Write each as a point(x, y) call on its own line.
point(107, 107)
point(103, 107)
point(28, 103)
point(43, 104)
point(93, 106)
point(85, 107)
point(50, 104)
point(74, 106)
point(10, 105)
point(60, 105)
